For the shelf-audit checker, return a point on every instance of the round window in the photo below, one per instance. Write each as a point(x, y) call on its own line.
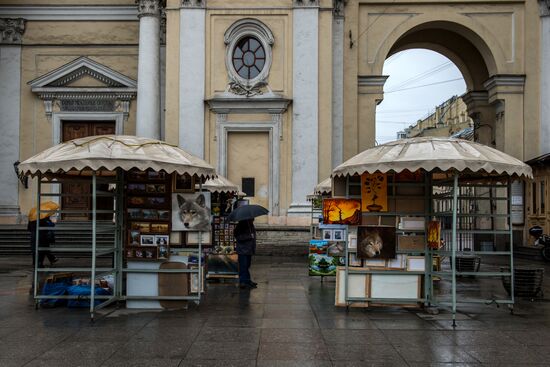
point(248, 58)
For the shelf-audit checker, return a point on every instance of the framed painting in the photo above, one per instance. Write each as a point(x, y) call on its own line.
point(183, 183)
point(376, 242)
point(374, 192)
point(191, 212)
point(434, 234)
point(342, 211)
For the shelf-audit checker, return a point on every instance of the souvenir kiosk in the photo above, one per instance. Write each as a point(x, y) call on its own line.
point(144, 179)
point(406, 205)
point(222, 258)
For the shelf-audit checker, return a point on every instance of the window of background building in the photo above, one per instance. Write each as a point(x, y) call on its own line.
point(248, 186)
point(249, 57)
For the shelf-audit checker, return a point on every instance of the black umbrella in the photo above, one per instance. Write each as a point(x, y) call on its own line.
point(246, 212)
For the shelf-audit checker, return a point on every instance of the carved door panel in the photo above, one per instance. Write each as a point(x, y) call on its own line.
point(81, 202)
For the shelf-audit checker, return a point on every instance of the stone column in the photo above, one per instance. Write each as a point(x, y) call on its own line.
point(305, 104)
point(370, 90)
point(192, 73)
point(338, 83)
point(148, 95)
point(505, 93)
point(11, 31)
point(544, 141)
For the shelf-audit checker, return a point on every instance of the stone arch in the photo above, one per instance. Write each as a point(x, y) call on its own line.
point(459, 42)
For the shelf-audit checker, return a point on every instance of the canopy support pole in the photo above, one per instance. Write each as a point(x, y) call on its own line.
point(37, 240)
point(454, 246)
point(92, 280)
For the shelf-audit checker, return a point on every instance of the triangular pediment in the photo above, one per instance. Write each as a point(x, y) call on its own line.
point(83, 72)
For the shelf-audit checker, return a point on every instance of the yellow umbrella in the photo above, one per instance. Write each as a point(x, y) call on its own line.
point(47, 209)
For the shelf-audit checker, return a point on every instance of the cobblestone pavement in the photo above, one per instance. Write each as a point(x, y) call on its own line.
point(289, 320)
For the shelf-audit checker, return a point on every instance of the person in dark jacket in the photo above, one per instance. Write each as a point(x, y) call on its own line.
point(46, 238)
point(245, 236)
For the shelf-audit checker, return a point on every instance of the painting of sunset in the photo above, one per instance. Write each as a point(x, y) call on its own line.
point(342, 211)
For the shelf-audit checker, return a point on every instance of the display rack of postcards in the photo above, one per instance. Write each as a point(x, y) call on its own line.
point(386, 216)
point(149, 214)
point(222, 260)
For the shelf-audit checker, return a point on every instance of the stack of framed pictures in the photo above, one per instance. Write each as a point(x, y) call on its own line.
point(327, 254)
point(149, 215)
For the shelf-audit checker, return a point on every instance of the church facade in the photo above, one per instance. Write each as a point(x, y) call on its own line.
point(274, 93)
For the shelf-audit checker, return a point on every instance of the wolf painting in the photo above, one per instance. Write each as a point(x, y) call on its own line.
point(191, 212)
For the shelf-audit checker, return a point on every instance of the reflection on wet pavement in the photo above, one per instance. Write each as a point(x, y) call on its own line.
point(289, 320)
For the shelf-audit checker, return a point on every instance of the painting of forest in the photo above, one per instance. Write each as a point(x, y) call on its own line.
point(342, 211)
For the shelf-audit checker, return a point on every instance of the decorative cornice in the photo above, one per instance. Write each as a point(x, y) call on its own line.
point(267, 103)
point(148, 8)
point(197, 4)
point(544, 6)
point(473, 97)
point(505, 80)
point(73, 13)
point(11, 30)
point(306, 3)
point(86, 93)
point(372, 80)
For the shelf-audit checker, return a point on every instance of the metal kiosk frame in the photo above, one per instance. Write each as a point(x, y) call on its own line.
point(114, 250)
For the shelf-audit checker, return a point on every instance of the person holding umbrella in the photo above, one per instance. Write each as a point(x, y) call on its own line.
point(45, 237)
point(245, 236)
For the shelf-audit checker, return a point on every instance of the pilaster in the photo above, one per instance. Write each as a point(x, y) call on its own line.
point(337, 83)
point(483, 115)
point(370, 93)
point(192, 74)
point(544, 6)
point(305, 86)
point(505, 92)
point(11, 33)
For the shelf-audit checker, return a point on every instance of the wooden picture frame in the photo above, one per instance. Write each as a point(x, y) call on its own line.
point(358, 287)
point(416, 263)
point(147, 240)
point(133, 237)
point(183, 183)
point(353, 260)
point(194, 280)
point(399, 263)
point(162, 239)
point(374, 263)
point(163, 252)
point(395, 286)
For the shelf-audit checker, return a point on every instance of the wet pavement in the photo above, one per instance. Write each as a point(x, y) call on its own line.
point(289, 320)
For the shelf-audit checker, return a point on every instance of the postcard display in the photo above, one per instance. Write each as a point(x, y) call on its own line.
point(158, 214)
point(384, 221)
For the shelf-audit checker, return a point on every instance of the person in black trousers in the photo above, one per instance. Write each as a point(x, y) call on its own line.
point(46, 238)
point(245, 235)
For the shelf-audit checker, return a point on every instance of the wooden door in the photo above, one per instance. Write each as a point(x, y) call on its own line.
point(81, 201)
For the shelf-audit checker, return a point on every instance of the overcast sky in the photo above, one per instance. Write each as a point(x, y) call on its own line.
point(419, 80)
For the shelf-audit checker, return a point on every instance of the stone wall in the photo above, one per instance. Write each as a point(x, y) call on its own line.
point(282, 241)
